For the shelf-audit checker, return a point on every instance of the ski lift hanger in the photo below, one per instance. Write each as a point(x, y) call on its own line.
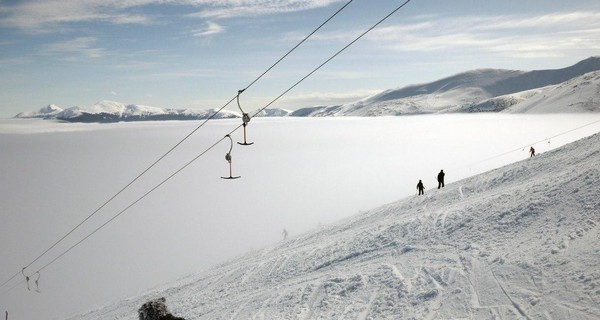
point(245, 119)
point(37, 283)
point(27, 278)
point(228, 158)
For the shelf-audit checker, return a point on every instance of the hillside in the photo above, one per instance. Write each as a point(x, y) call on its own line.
point(485, 90)
point(580, 94)
point(518, 242)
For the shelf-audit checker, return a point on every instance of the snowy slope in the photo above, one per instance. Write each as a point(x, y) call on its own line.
point(485, 90)
point(459, 89)
point(580, 94)
point(518, 242)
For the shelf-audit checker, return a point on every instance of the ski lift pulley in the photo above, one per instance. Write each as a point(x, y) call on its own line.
point(228, 158)
point(245, 119)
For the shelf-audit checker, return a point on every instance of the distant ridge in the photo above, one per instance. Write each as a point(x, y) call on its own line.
point(542, 78)
point(476, 91)
point(106, 111)
point(481, 90)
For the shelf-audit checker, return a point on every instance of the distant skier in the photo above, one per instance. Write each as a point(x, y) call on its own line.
point(531, 152)
point(440, 179)
point(285, 234)
point(420, 187)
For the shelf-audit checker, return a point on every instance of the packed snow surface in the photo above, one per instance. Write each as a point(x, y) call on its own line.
point(518, 242)
point(304, 175)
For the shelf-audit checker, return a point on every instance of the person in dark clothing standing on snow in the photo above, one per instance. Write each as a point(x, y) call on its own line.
point(420, 187)
point(441, 179)
point(531, 152)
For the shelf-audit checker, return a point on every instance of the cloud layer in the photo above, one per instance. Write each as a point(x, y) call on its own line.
point(56, 15)
point(511, 35)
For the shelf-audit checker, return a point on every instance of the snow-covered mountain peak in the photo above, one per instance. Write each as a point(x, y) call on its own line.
point(481, 90)
point(592, 62)
point(113, 111)
point(134, 109)
point(479, 78)
point(50, 109)
point(273, 112)
point(106, 106)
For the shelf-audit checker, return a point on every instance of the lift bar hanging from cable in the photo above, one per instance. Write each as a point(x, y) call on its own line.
point(245, 119)
point(27, 278)
point(228, 158)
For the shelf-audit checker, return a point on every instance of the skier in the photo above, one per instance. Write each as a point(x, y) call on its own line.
point(420, 187)
point(285, 234)
point(531, 152)
point(440, 179)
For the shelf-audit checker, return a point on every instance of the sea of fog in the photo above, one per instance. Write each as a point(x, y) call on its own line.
point(300, 174)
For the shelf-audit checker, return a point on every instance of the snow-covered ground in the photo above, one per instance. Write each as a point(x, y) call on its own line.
point(517, 242)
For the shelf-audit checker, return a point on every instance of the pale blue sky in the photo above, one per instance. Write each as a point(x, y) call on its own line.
point(198, 53)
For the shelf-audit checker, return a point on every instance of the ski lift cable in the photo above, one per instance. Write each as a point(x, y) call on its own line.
point(118, 193)
point(218, 141)
point(115, 195)
point(226, 136)
point(121, 212)
point(13, 287)
point(129, 184)
point(534, 143)
point(299, 43)
point(9, 279)
point(135, 202)
point(140, 198)
point(177, 144)
point(333, 56)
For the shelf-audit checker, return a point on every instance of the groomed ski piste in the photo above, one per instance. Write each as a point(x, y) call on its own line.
point(517, 242)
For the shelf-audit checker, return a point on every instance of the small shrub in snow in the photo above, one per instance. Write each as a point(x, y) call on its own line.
point(156, 310)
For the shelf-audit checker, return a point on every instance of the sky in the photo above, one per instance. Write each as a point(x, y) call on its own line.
point(198, 53)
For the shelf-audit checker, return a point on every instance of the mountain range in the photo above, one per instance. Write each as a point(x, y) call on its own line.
point(572, 89)
point(112, 111)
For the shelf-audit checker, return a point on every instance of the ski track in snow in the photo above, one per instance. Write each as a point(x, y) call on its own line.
point(519, 242)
